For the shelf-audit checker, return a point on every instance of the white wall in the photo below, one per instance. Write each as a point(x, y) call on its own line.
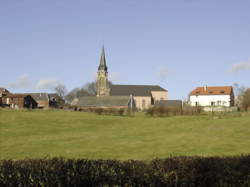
point(206, 100)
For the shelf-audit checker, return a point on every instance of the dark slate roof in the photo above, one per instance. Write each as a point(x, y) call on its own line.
point(135, 90)
point(169, 103)
point(108, 101)
point(39, 96)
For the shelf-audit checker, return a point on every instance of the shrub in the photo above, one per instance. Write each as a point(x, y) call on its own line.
point(121, 111)
point(172, 172)
point(98, 111)
point(161, 111)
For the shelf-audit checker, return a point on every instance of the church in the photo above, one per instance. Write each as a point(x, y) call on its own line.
point(117, 96)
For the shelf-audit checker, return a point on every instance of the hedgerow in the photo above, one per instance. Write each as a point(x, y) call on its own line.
point(172, 172)
point(161, 111)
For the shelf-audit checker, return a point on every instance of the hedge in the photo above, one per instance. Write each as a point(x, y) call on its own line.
point(172, 172)
point(161, 111)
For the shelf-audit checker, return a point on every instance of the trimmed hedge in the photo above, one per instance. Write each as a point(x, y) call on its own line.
point(172, 172)
point(161, 111)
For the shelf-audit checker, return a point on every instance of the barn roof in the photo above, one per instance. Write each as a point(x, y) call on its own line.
point(40, 96)
point(212, 90)
point(135, 90)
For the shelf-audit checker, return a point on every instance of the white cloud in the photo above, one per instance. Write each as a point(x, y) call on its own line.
point(44, 84)
point(21, 82)
point(240, 66)
point(162, 73)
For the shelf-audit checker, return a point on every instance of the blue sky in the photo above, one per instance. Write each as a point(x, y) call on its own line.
point(177, 44)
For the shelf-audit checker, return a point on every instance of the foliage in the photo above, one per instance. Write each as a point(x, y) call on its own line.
point(172, 172)
point(76, 93)
point(89, 89)
point(109, 111)
point(161, 111)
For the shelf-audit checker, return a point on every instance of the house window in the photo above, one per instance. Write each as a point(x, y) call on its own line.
point(212, 103)
point(219, 103)
point(196, 103)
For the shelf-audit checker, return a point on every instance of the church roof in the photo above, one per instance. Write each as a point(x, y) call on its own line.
point(102, 65)
point(135, 90)
point(107, 101)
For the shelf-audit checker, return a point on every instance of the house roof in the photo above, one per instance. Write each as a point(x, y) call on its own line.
point(16, 95)
point(212, 90)
point(88, 101)
point(39, 96)
point(135, 90)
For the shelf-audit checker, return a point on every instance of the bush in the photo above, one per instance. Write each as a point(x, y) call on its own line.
point(161, 111)
point(108, 111)
point(172, 172)
point(98, 111)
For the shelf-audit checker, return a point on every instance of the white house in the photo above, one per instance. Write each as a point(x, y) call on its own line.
point(212, 96)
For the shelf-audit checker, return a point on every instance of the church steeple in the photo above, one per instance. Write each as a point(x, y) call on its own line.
point(102, 65)
point(102, 76)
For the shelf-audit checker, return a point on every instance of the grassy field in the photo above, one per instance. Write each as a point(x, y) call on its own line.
point(40, 134)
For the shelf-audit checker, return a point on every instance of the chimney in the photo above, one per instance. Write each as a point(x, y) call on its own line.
point(205, 88)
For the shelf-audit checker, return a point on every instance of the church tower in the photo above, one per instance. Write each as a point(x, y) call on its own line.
point(102, 84)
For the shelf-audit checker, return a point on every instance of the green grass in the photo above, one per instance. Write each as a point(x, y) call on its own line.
point(40, 134)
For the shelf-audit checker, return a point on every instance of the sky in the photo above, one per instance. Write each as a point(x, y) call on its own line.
point(177, 44)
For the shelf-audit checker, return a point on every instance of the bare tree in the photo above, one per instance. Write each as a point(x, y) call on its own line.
point(76, 93)
point(90, 87)
point(246, 99)
point(238, 91)
point(61, 90)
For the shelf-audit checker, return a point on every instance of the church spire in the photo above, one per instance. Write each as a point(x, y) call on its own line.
point(103, 65)
point(102, 77)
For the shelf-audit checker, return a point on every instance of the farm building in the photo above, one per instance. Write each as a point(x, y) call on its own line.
point(18, 101)
point(45, 100)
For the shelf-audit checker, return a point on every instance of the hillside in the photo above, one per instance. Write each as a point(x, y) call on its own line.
point(39, 134)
